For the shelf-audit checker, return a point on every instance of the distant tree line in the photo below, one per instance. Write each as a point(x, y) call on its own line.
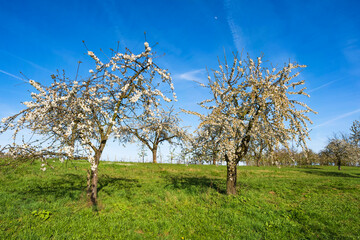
point(341, 150)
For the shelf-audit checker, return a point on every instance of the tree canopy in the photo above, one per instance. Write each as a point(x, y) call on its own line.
point(84, 114)
point(252, 103)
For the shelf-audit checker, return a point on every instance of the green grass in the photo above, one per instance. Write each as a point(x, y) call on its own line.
point(159, 201)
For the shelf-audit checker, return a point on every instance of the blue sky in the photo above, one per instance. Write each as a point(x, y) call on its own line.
point(39, 37)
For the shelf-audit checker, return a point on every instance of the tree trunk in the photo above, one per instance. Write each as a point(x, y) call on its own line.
point(92, 182)
point(93, 176)
point(339, 164)
point(88, 182)
point(258, 157)
point(214, 158)
point(154, 151)
point(231, 176)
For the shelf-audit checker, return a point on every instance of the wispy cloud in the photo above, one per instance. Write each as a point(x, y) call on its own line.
point(235, 29)
point(109, 7)
point(352, 55)
point(12, 75)
point(28, 62)
point(195, 75)
point(322, 86)
point(337, 118)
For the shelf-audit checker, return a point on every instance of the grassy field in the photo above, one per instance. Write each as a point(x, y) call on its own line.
point(161, 201)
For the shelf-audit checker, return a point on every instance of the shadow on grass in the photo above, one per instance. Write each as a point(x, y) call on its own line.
point(72, 186)
point(115, 183)
point(68, 186)
point(195, 184)
point(331, 174)
point(308, 167)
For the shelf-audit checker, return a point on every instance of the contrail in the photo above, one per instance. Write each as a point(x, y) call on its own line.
point(12, 75)
point(337, 118)
point(235, 30)
point(322, 86)
point(27, 61)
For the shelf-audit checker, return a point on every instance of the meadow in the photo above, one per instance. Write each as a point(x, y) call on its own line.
point(165, 201)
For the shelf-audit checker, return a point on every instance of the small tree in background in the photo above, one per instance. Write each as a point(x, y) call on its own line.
point(142, 152)
point(341, 151)
point(172, 154)
point(205, 145)
point(259, 148)
point(250, 103)
point(355, 133)
point(308, 158)
point(156, 128)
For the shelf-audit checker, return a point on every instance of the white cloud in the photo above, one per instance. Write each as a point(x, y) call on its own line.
point(352, 55)
point(110, 8)
point(198, 75)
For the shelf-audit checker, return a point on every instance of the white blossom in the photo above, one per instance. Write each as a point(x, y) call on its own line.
point(250, 103)
point(78, 117)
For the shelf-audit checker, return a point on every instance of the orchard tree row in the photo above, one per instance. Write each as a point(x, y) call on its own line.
point(254, 109)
